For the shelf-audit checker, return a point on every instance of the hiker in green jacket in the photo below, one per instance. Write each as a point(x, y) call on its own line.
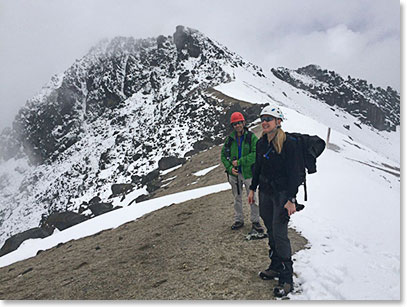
point(238, 156)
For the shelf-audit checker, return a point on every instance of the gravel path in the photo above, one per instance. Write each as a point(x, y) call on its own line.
point(183, 251)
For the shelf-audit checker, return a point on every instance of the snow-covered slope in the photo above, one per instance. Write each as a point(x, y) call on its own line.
point(116, 112)
point(275, 91)
point(373, 106)
point(351, 220)
point(109, 119)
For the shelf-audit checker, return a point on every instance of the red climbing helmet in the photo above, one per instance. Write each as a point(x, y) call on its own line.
point(236, 117)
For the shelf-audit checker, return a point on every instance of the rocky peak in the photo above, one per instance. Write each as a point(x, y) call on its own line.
point(111, 117)
point(185, 39)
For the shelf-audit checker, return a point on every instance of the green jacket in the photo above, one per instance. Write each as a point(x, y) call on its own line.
point(248, 154)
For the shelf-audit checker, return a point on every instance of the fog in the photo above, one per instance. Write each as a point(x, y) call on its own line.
point(40, 38)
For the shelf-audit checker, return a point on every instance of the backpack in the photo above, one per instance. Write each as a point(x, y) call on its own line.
point(309, 148)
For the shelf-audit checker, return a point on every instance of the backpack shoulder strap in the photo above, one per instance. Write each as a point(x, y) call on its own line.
point(248, 139)
point(293, 136)
point(229, 141)
point(228, 145)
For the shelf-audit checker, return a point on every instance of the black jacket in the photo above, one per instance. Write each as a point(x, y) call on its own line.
point(276, 172)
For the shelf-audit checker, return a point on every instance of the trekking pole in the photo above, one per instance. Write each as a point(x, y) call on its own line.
point(237, 185)
point(237, 178)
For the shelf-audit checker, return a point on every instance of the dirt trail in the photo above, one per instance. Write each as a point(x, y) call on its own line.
point(183, 251)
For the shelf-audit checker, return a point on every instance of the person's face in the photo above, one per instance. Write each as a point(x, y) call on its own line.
point(269, 123)
point(238, 126)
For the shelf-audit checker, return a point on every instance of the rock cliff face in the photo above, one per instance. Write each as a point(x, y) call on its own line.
point(110, 118)
point(374, 106)
point(168, 73)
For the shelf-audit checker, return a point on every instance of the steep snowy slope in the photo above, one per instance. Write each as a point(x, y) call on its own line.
point(352, 218)
point(109, 119)
point(351, 221)
point(373, 106)
point(115, 113)
point(274, 90)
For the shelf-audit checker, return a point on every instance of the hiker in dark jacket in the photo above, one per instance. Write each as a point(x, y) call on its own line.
point(275, 173)
point(238, 156)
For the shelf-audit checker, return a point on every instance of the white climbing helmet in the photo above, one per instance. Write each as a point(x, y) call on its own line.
point(273, 111)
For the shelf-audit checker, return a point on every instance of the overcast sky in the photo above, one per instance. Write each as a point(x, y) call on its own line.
point(40, 38)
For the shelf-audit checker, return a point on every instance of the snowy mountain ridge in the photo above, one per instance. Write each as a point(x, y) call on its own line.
point(354, 241)
point(110, 118)
point(371, 105)
point(115, 113)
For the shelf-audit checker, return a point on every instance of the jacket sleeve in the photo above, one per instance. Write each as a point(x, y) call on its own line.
point(251, 157)
point(256, 169)
point(292, 169)
point(225, 161)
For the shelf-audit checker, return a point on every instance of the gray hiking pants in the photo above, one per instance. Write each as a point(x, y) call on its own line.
point(275, 218)
point(276, 221)
point(238, 194)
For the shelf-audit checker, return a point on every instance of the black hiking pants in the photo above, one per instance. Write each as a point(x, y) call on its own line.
point(275, 218)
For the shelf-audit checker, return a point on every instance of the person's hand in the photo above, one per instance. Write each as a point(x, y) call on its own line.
point(250, 198)
point(290, 207)
point(235, 171)
point(234, 162)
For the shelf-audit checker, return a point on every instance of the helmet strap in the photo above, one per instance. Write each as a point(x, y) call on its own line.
point(276, 128)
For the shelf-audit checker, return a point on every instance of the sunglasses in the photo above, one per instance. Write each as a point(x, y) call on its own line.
point(237, 123)
point(267, 118)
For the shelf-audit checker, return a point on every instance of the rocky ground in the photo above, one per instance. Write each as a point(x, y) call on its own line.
point(183, 251)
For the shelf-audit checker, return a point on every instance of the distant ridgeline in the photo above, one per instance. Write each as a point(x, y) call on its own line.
point(374, 106)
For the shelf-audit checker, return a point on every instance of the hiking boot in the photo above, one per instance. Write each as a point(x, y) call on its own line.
point(254, 235)
point(283, 290)
point(256, 226)
point(268, 274)
point(237, 225)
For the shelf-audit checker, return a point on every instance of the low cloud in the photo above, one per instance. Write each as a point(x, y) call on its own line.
point(40, 38)
point(343, 50)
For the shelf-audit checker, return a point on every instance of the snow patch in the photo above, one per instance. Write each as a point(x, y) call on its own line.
point(205, 171)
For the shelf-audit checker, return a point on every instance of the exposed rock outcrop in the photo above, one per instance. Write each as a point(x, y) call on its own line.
point(15, 241)
point(168, 162)
point(64, 220)
point(373, 106)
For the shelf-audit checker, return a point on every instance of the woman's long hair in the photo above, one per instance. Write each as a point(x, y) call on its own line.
point(278, 140)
